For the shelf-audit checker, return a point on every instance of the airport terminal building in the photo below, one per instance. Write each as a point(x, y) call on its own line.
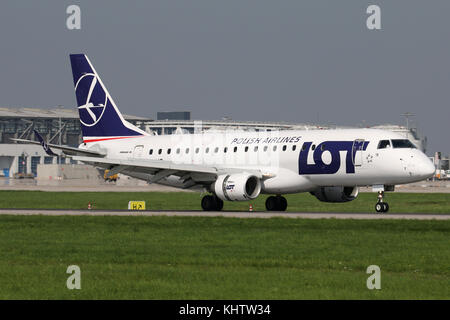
point(56, 125)
point(61, 126)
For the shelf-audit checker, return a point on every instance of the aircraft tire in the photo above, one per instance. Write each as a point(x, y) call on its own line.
point(277, 203)
point(281, 203)
point(379, 207)
point(219, 204)
point(208, 203)
point(271, 203)
point(211, 203)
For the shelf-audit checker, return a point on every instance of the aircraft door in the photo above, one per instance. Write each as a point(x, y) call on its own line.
point(138, 151)
point(357, 152)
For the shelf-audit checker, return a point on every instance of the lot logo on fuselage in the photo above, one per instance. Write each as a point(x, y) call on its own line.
point(89, 91)
point(334, 148)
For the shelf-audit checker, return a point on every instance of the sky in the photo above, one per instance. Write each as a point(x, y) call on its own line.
point(310, 61)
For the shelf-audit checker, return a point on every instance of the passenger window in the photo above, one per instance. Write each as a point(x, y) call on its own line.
point(159, 151)
point(197, 150)
point(150, 152)
point(274, 148)
point(265, 148)
point(225, 150)
point(168, 151)
point(294, 147)
point(216, 150)
point(207, 150)
point(246, 149)
point(255, 149)
point(187, 150)
point(178, 150)
point(284, 148)
point(235, 149)
point(383, 144)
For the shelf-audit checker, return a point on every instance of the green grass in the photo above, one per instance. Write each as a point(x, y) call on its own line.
point(222, 258)
point(365, 202)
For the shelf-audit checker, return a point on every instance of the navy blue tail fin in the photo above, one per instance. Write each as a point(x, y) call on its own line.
point(99, 116)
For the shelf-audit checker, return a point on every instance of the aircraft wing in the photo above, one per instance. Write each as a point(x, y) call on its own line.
point(156, 170)
point(71, 151)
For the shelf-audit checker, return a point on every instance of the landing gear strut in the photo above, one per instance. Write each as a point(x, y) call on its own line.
point(278, 203)
point(212, 203)
point(381, 206)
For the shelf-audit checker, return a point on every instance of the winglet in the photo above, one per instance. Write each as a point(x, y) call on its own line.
point(44, 145)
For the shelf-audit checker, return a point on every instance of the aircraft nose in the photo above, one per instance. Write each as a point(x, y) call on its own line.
point(425, 168)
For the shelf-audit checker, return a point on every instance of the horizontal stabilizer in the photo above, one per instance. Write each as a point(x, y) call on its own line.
point(71, 151)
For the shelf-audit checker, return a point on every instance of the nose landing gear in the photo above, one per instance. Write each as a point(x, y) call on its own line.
point(381, 206)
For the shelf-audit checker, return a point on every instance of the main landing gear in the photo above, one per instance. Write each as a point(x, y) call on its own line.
point(276, 203)
point(381, 206)
point(273, 203)
point(212, 203)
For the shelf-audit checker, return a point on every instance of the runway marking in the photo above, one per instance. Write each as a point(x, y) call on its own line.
point(227, 214)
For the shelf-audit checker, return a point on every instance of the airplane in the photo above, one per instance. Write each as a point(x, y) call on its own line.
point(238, 165)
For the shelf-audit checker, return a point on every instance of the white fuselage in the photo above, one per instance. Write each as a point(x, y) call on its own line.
point(340, 157)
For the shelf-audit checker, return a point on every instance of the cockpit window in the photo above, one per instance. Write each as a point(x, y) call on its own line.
point(402, 143)
point(383, 144)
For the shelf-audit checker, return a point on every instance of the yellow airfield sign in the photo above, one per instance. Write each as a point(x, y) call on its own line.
point(136, 205)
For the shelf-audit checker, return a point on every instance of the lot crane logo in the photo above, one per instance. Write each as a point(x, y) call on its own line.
point(89, 90)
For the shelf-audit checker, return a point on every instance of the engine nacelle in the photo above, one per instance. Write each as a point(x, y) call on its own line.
point(336, 194)
point(237, 187)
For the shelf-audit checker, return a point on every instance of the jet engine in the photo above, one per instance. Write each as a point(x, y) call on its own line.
point(336, 194)
point(237, 187)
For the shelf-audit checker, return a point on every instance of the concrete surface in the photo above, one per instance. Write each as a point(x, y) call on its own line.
point(228, 214)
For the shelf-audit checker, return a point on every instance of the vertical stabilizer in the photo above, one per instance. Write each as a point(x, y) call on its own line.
point(99, 116)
